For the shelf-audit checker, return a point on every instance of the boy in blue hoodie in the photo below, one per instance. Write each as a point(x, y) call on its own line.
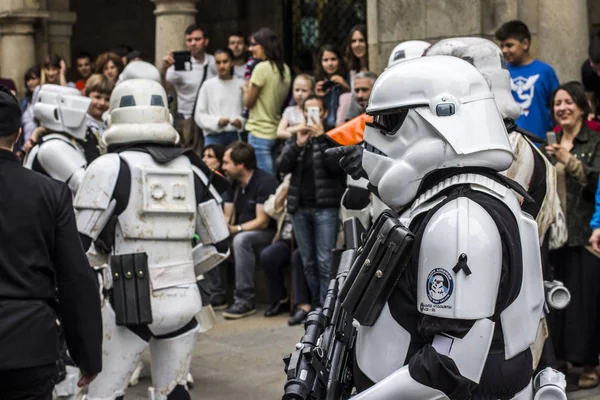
point(533, 81)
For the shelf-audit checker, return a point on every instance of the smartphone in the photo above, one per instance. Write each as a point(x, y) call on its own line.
point(182, 60)
point(551, 137)
point(328, 84)
point(313, 116)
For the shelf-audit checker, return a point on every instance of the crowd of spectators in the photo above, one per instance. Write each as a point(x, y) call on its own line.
point(241, 109)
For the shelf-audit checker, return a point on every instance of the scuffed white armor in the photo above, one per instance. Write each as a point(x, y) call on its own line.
point(428, 115)
point(160, 219)
point(60, 157)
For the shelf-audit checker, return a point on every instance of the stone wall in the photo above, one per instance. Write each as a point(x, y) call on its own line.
point(558, 37)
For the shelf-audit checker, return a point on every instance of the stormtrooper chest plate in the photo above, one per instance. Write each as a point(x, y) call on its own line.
point(162, 199)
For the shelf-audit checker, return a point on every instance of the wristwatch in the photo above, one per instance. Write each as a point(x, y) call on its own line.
point(239, 228)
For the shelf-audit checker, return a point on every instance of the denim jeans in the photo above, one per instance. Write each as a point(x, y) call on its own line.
point(274, 258)
point(264, 152)
point(224, 138)
point(245, 245)
point(316, 232)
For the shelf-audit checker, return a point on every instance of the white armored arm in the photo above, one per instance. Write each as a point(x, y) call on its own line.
point(94, 204)
point(62, 161)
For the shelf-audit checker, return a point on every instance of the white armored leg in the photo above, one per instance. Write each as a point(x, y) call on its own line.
point(121, 350)
point(67, 389)
point(171, 360)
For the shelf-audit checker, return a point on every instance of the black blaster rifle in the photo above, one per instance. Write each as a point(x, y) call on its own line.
point(321, 366)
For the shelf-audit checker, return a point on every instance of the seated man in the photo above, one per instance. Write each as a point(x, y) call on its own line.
point(248, 223)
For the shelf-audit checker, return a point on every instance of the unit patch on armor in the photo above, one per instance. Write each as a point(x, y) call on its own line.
point(440, 286)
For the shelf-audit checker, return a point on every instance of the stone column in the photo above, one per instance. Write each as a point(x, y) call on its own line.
point(172, 17)
point(17, 46)
point(60, 30)
point(563, 36)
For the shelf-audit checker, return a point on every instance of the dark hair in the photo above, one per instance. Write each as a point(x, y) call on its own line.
point(226, 51)
point(243, 153)
point(84, 54)
point(577, 93)
point(195, 27)
point(270, 43)
point(31, 73)
point(133, 55)
point(594, 49)
point(121, 50)
point(229, 53)
point(52, 60)
point(353, 61)
point(237, 34)
point(219, 151)
point(514, 29)
point(341, 70)
point(314, 97)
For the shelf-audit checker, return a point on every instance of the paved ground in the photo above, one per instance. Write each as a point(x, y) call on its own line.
point(238, 360)
point(241, 360)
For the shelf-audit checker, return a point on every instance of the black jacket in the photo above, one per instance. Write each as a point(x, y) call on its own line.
point(330, 179)
point(41, 261)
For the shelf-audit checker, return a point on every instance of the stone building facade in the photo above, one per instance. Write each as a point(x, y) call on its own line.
point(30, 29)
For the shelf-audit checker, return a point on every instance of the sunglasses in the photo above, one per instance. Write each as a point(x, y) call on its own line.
point(252, 44)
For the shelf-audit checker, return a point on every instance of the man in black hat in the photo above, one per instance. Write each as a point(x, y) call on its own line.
point(41, 261)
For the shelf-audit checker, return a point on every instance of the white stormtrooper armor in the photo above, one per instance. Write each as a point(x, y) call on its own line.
point(369, 212)
point(488, 59)
point(432, 154)
point(139, 70)
point(407, 50)
point(156, 199)
point(531, 169)
point(61, 110)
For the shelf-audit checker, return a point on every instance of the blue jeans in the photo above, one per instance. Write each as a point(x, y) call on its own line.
point(224, 138)
point(316, 232)
point(264, 152)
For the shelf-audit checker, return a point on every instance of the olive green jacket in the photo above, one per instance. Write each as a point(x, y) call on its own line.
point(581, 176)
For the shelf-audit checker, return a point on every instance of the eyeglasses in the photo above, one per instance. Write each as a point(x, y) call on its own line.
point(252, 44)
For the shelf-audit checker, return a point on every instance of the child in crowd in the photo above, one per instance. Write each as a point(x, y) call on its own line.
point(293, 116)
point(219, 108)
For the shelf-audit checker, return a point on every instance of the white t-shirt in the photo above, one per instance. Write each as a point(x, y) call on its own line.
point(219, 99)
point(186, 83)
point(293, 115)
point(239, 71)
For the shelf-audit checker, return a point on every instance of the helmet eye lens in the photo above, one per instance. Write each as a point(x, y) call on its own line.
point(389, 124)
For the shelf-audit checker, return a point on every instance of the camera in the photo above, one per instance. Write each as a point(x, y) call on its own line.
point(557, 295)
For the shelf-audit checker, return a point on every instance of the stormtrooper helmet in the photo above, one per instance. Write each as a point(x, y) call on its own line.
point(139, 113)
point(488, 59)
point(62, 109)
point(430, 113)
point(407, 50)
point(139, 70)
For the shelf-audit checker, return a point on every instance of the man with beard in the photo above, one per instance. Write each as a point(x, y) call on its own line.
point(248, 223)
point(237, 45)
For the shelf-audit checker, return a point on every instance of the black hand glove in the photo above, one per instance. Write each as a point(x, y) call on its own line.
point(350, 159)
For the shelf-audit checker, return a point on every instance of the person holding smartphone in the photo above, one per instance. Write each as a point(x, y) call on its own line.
point(186, 72)
point(332, 80)
point(314, 195)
